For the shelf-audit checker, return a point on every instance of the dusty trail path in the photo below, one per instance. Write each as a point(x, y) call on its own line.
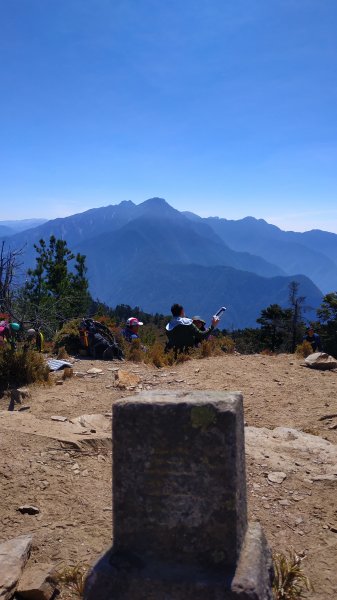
point(65, 469)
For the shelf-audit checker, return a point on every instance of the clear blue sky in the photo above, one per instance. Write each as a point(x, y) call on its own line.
point(223, 107)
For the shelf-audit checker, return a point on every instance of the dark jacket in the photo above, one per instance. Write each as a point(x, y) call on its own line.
point(182, 333)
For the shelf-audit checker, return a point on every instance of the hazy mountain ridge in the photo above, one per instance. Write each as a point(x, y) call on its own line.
point(11, 227)
point(202, 290)
point(152, 255)
point(313, 253)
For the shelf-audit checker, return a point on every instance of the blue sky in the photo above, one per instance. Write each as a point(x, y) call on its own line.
point(223, 107)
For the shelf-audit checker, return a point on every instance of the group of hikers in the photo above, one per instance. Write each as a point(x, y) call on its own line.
point(11, 332)
point(98, 341)
point(182, 332)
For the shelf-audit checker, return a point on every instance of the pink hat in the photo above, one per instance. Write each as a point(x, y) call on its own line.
point(133, 321)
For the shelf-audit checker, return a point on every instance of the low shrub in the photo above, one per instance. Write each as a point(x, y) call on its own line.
point(133, 351)
point(211, 347)
point(21, 368)
point(227, 344)
point(62, 353)
point(68, 337)
point(157, 356)
point(303, 349)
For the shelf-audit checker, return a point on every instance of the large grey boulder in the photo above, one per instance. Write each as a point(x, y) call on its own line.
point(13, 557)
point(321, 361)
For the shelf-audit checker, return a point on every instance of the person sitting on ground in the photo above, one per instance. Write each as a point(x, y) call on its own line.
point(182, 333)
point(313, 339)
point(130, 333)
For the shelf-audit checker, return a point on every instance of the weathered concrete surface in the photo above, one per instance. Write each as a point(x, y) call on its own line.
point(13, 557)
point(179, 477)
point(179, 502)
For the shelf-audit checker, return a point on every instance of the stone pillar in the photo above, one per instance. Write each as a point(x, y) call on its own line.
point(179, 503)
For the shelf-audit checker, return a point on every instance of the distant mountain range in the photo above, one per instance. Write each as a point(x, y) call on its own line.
point(11, 227)
point(152, 255)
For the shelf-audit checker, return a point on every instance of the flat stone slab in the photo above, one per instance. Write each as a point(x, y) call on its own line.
point(73, 432)
point(290, 451)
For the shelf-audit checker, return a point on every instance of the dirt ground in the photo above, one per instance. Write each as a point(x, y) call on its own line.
point(70, 481)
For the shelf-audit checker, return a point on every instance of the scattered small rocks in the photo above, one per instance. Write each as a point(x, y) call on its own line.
point(276, 477)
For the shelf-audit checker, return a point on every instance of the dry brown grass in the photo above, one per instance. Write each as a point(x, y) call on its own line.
point(73, 578)
point(134, 351)
point(62, 353)
point(156, 356)
point(290, 582)
point(303, 350)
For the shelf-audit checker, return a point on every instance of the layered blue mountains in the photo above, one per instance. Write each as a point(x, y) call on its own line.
point(151, 255)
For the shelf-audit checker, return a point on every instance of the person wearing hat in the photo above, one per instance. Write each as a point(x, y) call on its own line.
point(199, 323)
point(313, 339)
point(131, 330)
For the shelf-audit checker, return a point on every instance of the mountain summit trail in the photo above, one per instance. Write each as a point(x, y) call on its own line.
point(56, 455)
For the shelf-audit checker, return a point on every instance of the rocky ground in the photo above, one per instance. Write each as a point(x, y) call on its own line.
point(64, 468)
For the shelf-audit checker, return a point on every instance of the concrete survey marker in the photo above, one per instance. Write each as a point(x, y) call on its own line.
point(179, 503)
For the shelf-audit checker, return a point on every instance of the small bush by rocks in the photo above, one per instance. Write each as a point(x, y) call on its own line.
point(21, 368)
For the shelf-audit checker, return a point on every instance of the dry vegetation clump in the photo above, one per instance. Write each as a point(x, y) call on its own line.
point(210, 347)
point(73, 578)
point(157, 356)
point(21, 367)
point(304, 349)
point(133, 351)
point(62, 354)
point(68, 338)
point(267, 352)
point(290, 582)
point(227, 344)
point(182, 357)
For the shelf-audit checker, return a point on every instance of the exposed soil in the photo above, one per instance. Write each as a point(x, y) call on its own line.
point(65, 469)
